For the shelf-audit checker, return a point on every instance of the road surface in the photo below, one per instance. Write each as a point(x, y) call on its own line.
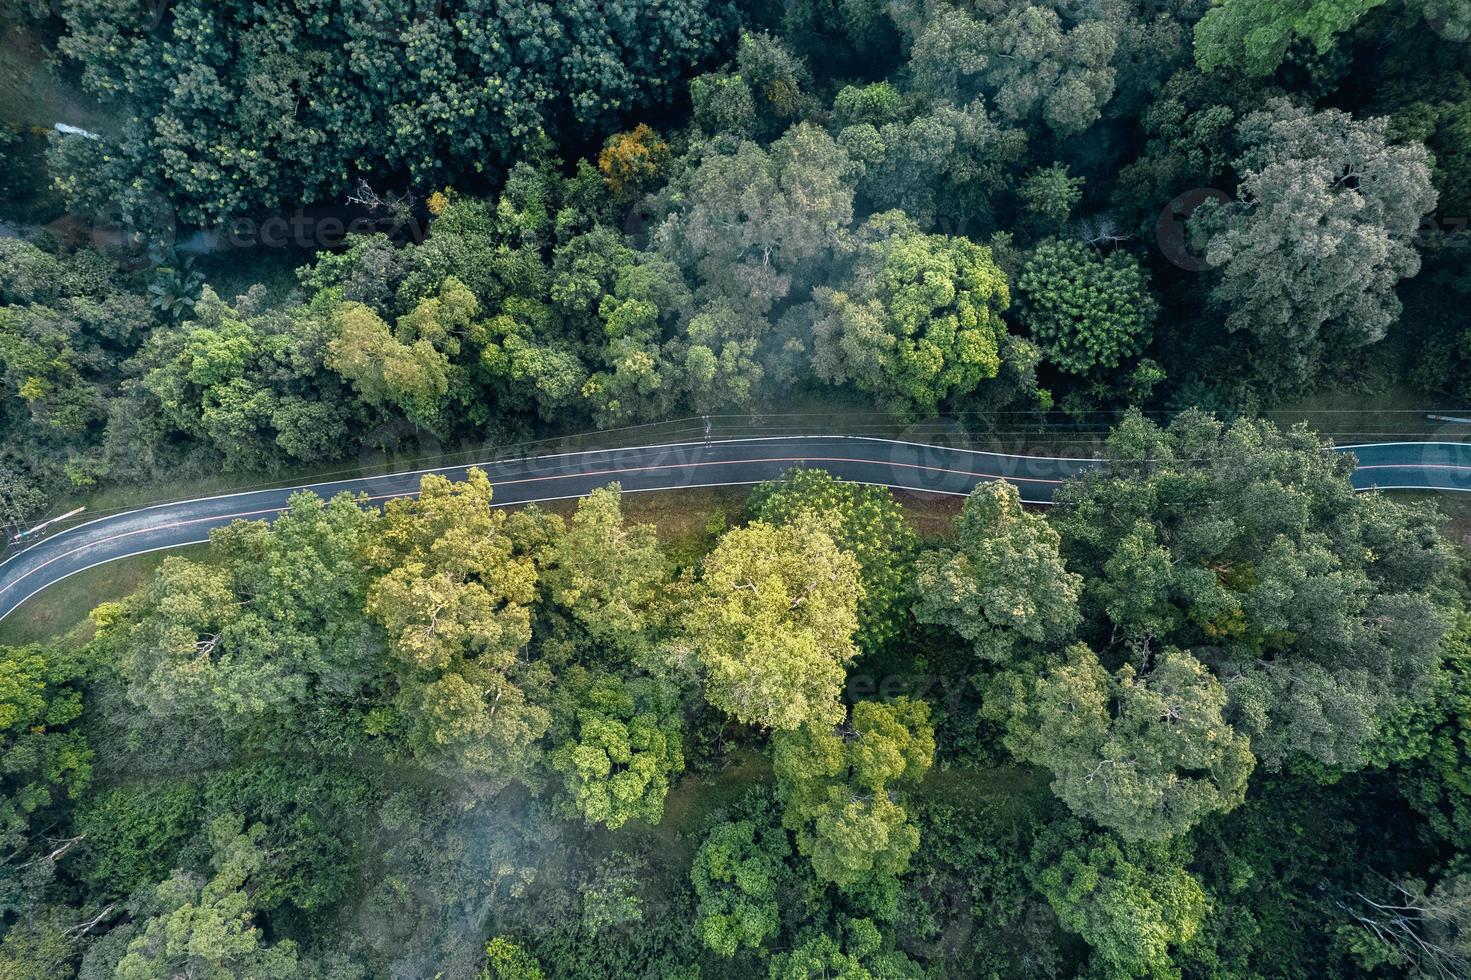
point(730, 462)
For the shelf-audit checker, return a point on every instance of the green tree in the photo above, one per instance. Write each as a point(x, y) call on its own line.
point(875, 104)
point(238, 108)
point(1024, 59)
point(771, 626)
point(618, 746)
point(523, 363)
point(44, 756)
point(722, 366)
point(1451, 19)
point(917, 322)
point(504, 960)
point(409, 366)
point(1088, 312)
point(840, 789)
point(248, 385)
point(612, 577)
point(1320, 604)
point(736, 873)
point(866, 521)
point(1002, 581)
point(1133, 904)
point(634, 300)
point(762, 96)
point(756, 221)
point(1309, 255)
point(270, 634)
point(1253, 36)
point(859, 952)
point(45, 764)
point(945, 162)
point(1050, 195)
point(1147, 755)
point(38, 948)
point(454, 589)
point(1431, 742)
point(205, 928)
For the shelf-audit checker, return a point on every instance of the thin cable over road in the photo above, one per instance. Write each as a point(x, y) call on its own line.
point(891, 463)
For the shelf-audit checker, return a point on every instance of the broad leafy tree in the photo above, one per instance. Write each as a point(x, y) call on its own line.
point(46, 762)
point(617, 747)
point(760, 96)
point(1319, 608)
point(203, 926)
point(866, 521)
point(1002, 581)
point(260, 641)
point(771, 627)
point(611, 577)
point(1310, 253)
point(758, 222)
point(736, 874)
point(840, 789)
point(1133, 904)
point(1147, 756)
point(1253, 36)
point(858, 951)
point(1024, 59)
point(917, 322)
point(453, 591)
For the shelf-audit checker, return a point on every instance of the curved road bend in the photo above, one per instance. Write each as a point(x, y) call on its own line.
point(733, 462)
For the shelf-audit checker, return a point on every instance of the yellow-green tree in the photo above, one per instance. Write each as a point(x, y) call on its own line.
point(410, 365)
point(771, 626)
point(611, 577)
point(864, 520)
point(454, 593)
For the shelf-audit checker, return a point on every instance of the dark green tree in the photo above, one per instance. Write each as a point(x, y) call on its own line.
point(736, 873)
point(1088, 312)
point(1001, 582)
point(1320, 609)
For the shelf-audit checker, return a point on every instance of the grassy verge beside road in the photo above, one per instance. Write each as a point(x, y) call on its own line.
point(63, 607)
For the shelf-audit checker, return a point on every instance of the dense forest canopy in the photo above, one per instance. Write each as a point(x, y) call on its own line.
point(1024, 209)
point(1206, 717)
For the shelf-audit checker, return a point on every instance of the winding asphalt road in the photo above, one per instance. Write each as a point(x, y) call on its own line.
point(729, 462)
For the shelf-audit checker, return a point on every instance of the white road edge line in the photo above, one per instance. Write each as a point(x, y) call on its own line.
point(676, 445)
